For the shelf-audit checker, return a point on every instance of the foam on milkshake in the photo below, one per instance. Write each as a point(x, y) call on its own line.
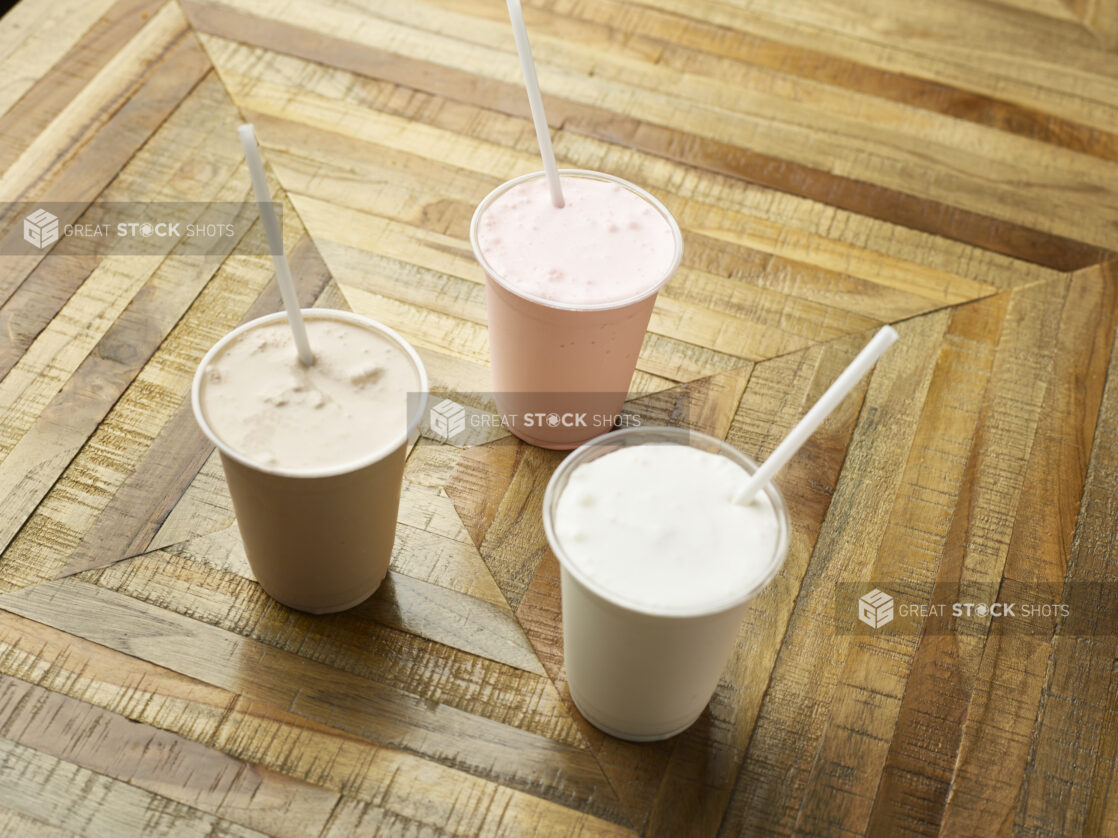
point(655, 526)
point(606, 244)
point(266, 405)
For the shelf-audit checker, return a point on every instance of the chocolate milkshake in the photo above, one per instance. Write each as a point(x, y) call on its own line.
point(313, 455)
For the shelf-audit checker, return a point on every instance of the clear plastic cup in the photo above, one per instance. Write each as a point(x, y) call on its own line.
point(633, 672)
point(546, 371)
point(318, 540)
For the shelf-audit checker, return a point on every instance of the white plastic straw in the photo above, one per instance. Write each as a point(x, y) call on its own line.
point(831, 399)
point(275, 242)
point(543, 135)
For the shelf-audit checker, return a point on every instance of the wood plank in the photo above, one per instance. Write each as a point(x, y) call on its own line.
point(320, 161)
point(1056, 9)
point(514, 542)
point(793, 717)
point(361, 706)
point(33, 35)
point(735, 319)
point(1002, 714)
point(205, 507)
point(155, 173)
point(409, 789)
point(363, 114)
point(96, 103)
point(1076, 734)
point(427, 513)
point(1058, 68)
point(78, 800)
point(162, 763)
point(214, 586)
point(451, 619)
point(664, 33)
point(50, 93)
point(62, 426)
point(49, 362)
point(64, 403)
point(478, 482)
point(922, 738)
point(99, 129)
point(933, 713)
point(591, 112)
point(17, 823)
point(37, 301)
point(876, 677)
point(403, 603)
point(444, 334)
point(818, 274)
point(938, 288)
point(700, 79)
point(1100, 18)
point(98, 159)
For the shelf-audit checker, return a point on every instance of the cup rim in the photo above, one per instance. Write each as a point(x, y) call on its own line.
point(656, 204)
point(375, 456)
point(681, 436)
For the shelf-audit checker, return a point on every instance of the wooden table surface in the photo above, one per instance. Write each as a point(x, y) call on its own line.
point(950, 167)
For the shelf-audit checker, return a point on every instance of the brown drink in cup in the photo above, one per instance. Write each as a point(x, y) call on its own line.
point(313, 455)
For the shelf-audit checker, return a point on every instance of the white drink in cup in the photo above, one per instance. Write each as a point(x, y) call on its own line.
point(658, 565)
point(313, 455)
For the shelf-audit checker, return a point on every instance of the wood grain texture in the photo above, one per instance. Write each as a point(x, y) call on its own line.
point(949, 168)
point(196, 776)
point(359, 705)
point(455, 76)
point(398, 787)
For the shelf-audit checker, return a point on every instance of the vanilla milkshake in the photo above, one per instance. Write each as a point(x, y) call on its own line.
point(658, 565)
point(654, 526)
point(569, 294)
point(313, 455)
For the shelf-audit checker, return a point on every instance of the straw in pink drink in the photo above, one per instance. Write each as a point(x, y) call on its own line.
point(535, 101)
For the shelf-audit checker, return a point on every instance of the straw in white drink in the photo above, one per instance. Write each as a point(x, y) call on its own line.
point(831, 399)
point(543, 136)
point(275, 242)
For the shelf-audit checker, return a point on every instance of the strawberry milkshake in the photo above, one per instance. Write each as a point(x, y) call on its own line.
point(569, 294)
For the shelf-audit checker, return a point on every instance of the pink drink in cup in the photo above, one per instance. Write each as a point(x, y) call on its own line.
point(569, 294)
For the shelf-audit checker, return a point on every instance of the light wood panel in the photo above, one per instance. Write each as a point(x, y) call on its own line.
point(449, 80)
